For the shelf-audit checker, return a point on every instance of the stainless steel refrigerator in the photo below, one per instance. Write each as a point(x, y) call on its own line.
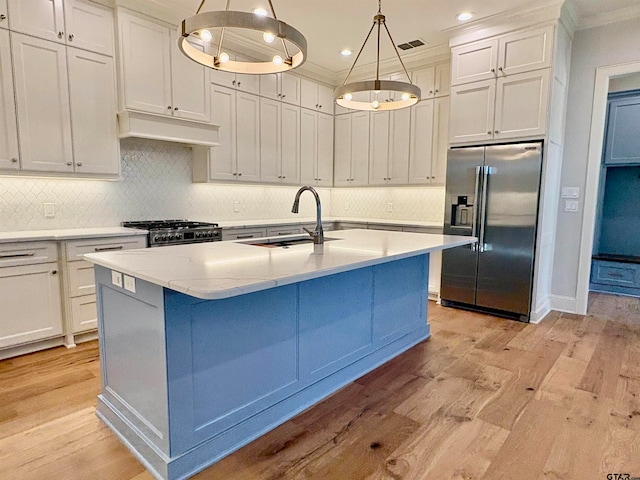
point(492, 193)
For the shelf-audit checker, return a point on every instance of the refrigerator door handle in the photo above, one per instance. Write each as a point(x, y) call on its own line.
point(474, 221)
point(486, 171)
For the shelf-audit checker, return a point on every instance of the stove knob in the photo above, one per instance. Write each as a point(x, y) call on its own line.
point(198, 234)
point(178, 236)
point(164, 238)
point(156, 238)
point(172, 237)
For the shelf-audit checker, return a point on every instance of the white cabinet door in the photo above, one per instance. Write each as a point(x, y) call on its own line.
point(44, 122)
point(146, 67)
point(360, 148)
point(189, 86)
point(39, 18)
point(421, 142)
point(425, 80)
point(270, 86)
point(89, 26)
point(525, 51)
point(325, 150)
point(473, 62)
point(31, 307)
point(379, 159)
point(472, 112)
point(308, 94)
point(93, 112)
point(440, 140)
point(442, 80)
point(248, 137)
point(325, 99)
point(222, 161)
point(308, 147)
point(342, 176)
point(290, 88)
point(8, 127)
point(270, 146)
point(290, 143)
point(399, 133)
point(84, 313)
point(4, 16)
point(521, 105)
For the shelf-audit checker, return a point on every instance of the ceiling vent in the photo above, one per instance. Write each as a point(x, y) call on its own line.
point(418, 42)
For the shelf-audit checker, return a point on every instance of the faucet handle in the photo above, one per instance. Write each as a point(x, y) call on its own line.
point(313, 234)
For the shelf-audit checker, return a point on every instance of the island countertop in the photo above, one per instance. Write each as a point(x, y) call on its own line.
point(219, 270)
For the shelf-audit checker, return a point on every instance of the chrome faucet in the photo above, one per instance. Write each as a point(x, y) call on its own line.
point(317, 234)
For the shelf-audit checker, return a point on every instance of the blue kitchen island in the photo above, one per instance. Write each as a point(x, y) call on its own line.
point(205, 347)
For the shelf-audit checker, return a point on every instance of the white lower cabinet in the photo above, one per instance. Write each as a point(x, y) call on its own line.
point(29, 293)
point(243, 233)
point(316, 148)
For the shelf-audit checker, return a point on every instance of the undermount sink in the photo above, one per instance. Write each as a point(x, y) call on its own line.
point(283, 242)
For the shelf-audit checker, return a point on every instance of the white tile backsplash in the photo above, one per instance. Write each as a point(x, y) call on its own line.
point(156, 183)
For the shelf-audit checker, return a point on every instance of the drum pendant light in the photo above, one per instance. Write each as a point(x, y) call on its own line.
point(200, 25)
point(408, 94)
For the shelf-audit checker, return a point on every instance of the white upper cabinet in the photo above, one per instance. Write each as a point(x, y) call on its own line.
point(352, 149)
point(316, 148)
point(429, 141)
point(281, 86)
point(44, 117)
point(472, 111)
point(316, 96)
point(279, 142)
point(9, 157)
point(156, 76)
point(506, 55)
point(389, 150)
point(433, 81)
point(93, 112)
point(4, 18)
point(246, 83)
point(77, 23)
point(290, 144)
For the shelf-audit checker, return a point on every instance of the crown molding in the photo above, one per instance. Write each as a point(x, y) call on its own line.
point(609, 17)
point(570, 17)
point(162, 10)
point(504, 22)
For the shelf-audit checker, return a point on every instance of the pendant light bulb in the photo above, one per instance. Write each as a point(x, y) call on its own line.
point(260, 11)
point(277, 60)
point(268, 37)
point(405, 96)
point(205, 35)
point(375, 104)
point(348, 97)
point(224, 57)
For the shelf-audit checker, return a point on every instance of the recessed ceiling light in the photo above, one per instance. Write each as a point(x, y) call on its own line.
point(464, 16)
point(346, 52)
point(260, 11)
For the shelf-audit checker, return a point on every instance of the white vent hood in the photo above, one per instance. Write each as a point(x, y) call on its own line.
point(170, 129)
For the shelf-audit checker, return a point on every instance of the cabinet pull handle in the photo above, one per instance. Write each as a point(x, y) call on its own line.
point(496, 131)
point(19, 255)
point(234, 174)
point(60, 34)
point(14, 160)
point(430, 92)
point(493, 70)
point(3, 16)
point(283, 96)
point(239, 174)
point(107, 249)
point(500, 68)
point(71, 37)
point(615, 275)
point(233, 83)
point(489, 132)
point(242, 237)
point(279, 95)
point(319, 179)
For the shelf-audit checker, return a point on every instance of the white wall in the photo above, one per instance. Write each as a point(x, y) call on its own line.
point(596, 47)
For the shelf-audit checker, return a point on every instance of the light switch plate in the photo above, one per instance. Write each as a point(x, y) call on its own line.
point(130, 283)
point(389, 207)
point(570, 192)
point(236, 206)
point(116, 278)
point(571, 206)
point(49, 210)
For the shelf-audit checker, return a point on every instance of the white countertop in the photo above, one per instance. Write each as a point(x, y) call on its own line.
point(312, 220)
point(226, 269)
point(68, 234)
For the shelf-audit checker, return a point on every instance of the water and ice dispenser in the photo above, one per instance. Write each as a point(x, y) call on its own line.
point(461, 211)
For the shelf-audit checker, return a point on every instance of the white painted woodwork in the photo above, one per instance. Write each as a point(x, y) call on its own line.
point(424, 79)
point(521, 105)
point(92, 95)
point(4, 22)
point(440, 141)
point(84, 313)
point(316, 96)
point(243, 233)
point(525, 51)
point(44, 120)
point(472, 112)
point(270, 86)
point(474, 62)
point(9, 155)
point(246, 83)
point(81, 278)
point(247, 137)
point(342, 154)
point(325, 150)
point(220, 77)
point(399, 140)
point(31, 307)
point(421, 142)
point(189, 86)
point(222, 163)
point(290, 88)
point(379, 159)
point(89, 26)
point(270, 141)
point(352, 149)
point(442, 81)
point(146, 64)
point(316, 148)
point(290, 143)
point(38, 18)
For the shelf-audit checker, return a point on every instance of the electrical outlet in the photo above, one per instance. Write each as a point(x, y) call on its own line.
point(571, 206)
point(389, 207)
point(347, 206)
point(236, 206)
point(116, 278)
point(49, 210)
point(570, 192)
point(130, 283)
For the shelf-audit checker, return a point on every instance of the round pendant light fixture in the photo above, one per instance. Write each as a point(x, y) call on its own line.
point(404, 94)
point(202, 24)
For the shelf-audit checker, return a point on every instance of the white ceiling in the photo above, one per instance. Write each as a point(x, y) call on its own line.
point(331, 25)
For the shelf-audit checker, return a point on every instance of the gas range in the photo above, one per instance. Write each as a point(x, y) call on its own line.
point(176, 232)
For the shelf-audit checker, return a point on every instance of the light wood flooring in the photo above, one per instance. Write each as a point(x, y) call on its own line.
point(483, 398)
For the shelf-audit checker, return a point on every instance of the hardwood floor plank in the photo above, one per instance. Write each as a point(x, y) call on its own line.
point(532, 333)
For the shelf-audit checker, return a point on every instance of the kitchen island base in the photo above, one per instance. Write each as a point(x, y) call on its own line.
point(187, 381)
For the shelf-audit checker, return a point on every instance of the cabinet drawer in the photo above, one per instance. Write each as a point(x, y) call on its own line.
point(243, 233)
point(27, 253)
point(612, 273)
point(84, 313)
point(275, 231)
point(81, 278)
point(77, 248)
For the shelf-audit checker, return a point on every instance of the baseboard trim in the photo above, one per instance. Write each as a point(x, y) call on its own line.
point(564, 304)
point(542, 310)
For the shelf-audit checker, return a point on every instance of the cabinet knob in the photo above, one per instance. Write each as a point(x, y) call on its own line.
point(54, 272)
point(238, 83)
point(500, 68)
point(437, 90)
point(489, 132)
point(71, 37)
point(168, 107)
point(234, 174)
point(175, 108)
point(3, 16)
point(233, 83)
point(239, 174)
point(69, 163)
point(283, 96)
point(79, 164)
point(319, 179)
point(279, 95)
point(493, 70)
point(430, 92)
point(60, 34)
point(496, 131)
point(317, 106)
point(320, 106)
point(14, 160)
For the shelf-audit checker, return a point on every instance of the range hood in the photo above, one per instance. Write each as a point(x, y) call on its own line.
point(170, 129)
